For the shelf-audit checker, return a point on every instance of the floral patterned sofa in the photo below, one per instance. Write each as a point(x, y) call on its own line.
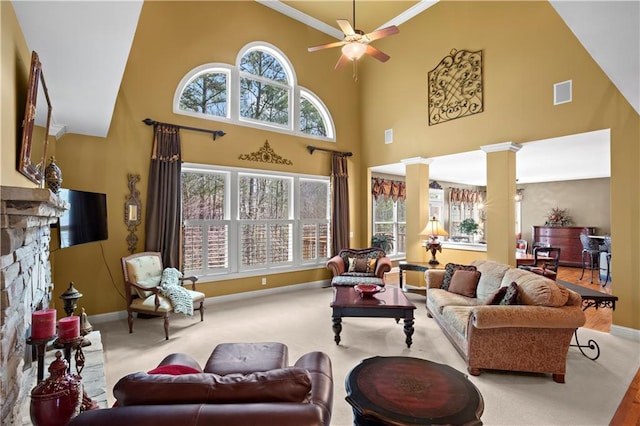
point(504, 318)
point(359, 266)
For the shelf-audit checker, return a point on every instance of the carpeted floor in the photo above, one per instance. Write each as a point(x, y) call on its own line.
point(301, 318)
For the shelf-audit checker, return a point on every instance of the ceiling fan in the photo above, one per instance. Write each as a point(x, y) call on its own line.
point(356, 42)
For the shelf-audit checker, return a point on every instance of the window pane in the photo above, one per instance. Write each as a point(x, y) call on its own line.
point(264, 102)
point(217, 247)
point(264, 198)
point(383, 210)
point(383, 228)
point(253, 245)
point(402, 210)
point(261, 63)
point(203, 196)
point(281, 248)
point(313, 199)
point(314, 241)
point(192, 240)
point(401, 239)
point(207, 94)
point(311, 121)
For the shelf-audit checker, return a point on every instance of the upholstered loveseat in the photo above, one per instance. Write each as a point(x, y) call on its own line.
point(359, 266)
point(530, 331)
point(241, 384)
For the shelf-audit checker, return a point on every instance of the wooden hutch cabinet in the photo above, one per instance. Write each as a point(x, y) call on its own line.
point(565, 237)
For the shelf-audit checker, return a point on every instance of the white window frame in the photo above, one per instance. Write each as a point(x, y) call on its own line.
point(232, 218)
point(233, 95)
point(394, 223)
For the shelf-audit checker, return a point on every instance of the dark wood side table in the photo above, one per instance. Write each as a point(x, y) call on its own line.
point(412, 266)
point(411, 391)
point(590, 299)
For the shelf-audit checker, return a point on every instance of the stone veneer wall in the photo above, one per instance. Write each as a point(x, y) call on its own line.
point(25, 286)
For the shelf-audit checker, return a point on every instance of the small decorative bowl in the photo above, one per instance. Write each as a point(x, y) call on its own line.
point(367, 290)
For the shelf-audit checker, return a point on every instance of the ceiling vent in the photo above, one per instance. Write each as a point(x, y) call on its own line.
point(562, 92)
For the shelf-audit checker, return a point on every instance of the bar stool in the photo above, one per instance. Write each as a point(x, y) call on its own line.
point(591, 250)
point(606, 248)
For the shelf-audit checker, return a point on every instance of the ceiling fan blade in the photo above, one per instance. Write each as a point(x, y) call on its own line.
point(325, 46)
point(342, 61)
point(383, 32)
point(346, 27)
point(381, 56)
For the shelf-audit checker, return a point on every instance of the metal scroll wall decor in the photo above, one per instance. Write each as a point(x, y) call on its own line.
point(455, 87)
point(266, 155)
point(132, 211)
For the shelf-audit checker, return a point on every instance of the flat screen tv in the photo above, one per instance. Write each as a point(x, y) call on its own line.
point(86, 219)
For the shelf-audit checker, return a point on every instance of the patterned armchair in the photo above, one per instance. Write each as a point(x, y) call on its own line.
point(359, 266)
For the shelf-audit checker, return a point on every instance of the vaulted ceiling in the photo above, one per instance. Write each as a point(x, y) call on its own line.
point(84, 45)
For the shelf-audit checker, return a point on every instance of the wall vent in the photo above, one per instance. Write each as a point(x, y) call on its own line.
point(562, 92)
point(388, 136)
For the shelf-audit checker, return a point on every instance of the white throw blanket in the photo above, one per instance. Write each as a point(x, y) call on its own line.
point(178, 296)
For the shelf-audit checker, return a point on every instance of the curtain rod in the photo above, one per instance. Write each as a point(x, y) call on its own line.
point(214, 133)
point(312, 148)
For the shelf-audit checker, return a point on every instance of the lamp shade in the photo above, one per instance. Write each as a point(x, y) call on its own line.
point(354, 50)
point(434, 229)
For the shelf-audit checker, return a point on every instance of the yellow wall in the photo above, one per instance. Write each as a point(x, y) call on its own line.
point(165, 48)
point(526, 49)
point(15, 61)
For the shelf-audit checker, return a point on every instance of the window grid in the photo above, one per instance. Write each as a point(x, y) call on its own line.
point(275, 237)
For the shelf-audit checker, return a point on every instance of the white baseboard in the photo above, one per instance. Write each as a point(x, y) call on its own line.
point(626, 332)
point(120, 315)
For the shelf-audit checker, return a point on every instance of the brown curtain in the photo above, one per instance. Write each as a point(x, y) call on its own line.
point(339, 203)
point(162, 225)
point(388, 188)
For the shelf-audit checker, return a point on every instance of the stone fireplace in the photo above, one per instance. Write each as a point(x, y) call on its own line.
point(25, 286)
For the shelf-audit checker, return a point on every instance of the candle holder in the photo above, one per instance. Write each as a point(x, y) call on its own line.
point(40, 345)
point(70, 298)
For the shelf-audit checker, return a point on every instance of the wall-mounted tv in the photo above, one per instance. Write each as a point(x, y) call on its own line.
point(86, 219)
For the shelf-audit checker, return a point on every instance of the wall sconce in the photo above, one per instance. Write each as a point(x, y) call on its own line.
point(433, 230)
point(132, 211)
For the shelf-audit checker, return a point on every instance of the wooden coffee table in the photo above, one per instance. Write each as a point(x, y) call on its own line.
point(411, 391)
point(391, 303)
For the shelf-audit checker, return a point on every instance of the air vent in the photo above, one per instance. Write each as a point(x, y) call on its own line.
point(562, 92)
point(388, 136)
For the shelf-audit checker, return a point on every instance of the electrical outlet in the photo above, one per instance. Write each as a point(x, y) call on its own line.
point(264, 280)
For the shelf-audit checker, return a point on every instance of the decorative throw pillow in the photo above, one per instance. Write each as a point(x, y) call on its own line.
point(511, 295)
point(372, 265)
point(449, 269)
point(464, 282)
point(495, 297)
point(358, 264)
point(174, 370)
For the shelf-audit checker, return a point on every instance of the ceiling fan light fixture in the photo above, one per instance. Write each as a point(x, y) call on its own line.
point(354, 50)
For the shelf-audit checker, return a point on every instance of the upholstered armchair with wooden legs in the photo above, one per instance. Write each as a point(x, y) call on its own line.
point(142, 276)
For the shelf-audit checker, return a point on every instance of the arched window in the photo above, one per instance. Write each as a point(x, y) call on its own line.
point(259, 91)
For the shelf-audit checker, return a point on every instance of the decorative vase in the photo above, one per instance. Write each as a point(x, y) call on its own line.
point(56, 400)
point(53, 176)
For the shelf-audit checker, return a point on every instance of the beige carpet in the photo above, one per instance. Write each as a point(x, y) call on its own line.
point(301, 318)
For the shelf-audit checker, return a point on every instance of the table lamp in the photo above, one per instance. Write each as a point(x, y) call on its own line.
point(433, 230)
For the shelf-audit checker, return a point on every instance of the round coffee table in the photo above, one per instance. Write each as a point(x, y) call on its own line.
point(411, 391)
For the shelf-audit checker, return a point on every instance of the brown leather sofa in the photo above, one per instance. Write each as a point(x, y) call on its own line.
point(241, 384)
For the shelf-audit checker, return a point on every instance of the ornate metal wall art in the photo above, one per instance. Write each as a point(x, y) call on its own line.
point(455, 86)
point(266, 155)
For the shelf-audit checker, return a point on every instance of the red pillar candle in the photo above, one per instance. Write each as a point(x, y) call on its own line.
point(69, 327)
point(43, 324)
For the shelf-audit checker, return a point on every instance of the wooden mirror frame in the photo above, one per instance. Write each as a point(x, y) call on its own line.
point(33, 111)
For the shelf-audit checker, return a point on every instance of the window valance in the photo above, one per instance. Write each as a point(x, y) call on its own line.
point(388, 188)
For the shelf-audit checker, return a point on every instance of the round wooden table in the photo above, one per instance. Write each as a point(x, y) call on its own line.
point(411, 391)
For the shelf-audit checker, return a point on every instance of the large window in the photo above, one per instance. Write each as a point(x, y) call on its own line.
point(248, 222)
point(260, 90)
point(390, 217)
